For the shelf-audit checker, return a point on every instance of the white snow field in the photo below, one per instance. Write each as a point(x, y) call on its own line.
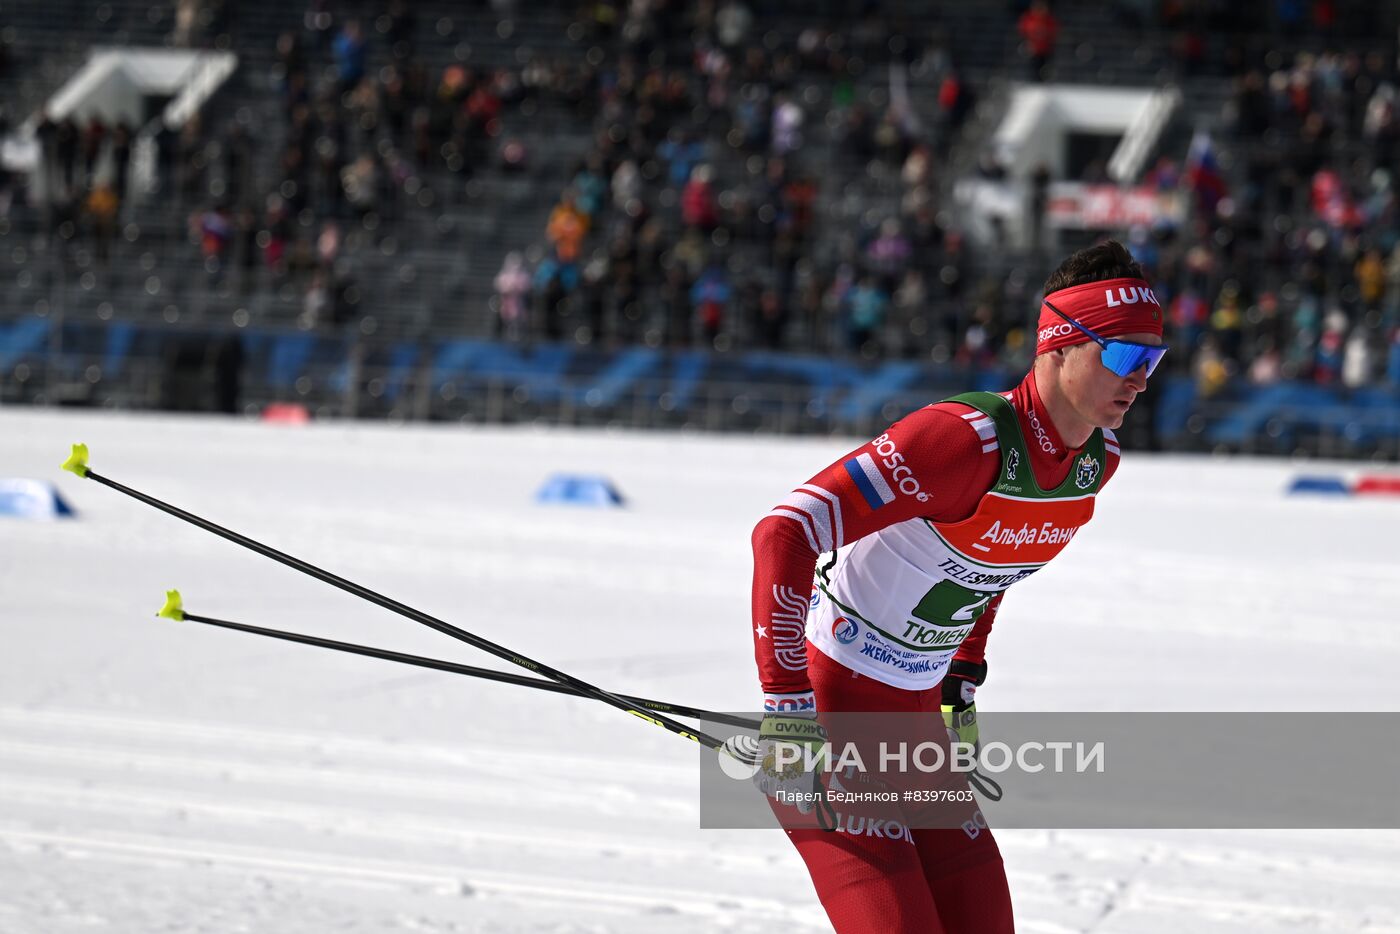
point(167, 776)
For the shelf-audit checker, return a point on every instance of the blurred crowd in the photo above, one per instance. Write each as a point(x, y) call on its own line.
point(704, 211)
point(745, 177)
point(1290, 268)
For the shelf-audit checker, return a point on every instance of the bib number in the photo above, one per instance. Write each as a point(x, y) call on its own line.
point(947, 602)
point(944, 616)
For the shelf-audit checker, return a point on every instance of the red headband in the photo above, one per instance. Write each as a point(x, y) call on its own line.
point(1108, 308)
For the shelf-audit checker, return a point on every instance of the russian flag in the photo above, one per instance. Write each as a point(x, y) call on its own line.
point(1203, 171)
point(869, 481)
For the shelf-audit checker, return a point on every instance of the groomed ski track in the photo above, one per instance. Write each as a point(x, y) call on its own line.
point(160, 776)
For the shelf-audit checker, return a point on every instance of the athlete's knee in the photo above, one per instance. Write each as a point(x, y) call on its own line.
point(975, 900)
point(868, 883)
point(964, 872)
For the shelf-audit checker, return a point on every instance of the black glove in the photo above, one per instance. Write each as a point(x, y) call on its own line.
point(959, 691)
point(960, 715)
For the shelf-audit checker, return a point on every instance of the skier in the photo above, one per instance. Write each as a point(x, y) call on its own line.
point(917, 536)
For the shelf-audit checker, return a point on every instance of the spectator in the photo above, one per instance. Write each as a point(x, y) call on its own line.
point(1187, 314)
point(289, 74)
point(888, 254)
point(772, 319)
point(46, 137)
point(215, 229)
point(955, 102)
point(319, 23)
point(274, 237)
point(567, 228)
point(360, 179)
point(1331, 349)
point(626, 184)
point(316, 303)
point(690, 252)
point(121, 158)
point(682, 153)
point(590, 186)
point(911, 308)
point(1392, 286)
point(328, 246)
point(1040, 30)
point(93, 140)
point(246, 225)
point(512, 291)
point(66, 153)
point(1392, 368)
point(515, 158)
point(652, 241)
point(349, 51)
point(799, 198)
point(1227, 322)
point(918, 167)
point(551, 286)
point(1251, 105)
point(1356, 359)
point(711, 295)
point(1300, 354)
point(699, 207)
point(1371, 278)
point(787, 126)
point(1267, 367)
point(331, 179)
point(186, 21)
point(891, 139)
point(733, 23)
point(978, 346)
point(189, 160)
point(484, 106)
point(866, 305)
point(752, 119)
point(102, 207)
point(1212, 370)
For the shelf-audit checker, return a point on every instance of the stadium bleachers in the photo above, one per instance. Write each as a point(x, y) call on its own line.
point(419, 261)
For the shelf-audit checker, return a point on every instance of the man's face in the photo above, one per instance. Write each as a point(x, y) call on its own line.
point(1100, 396)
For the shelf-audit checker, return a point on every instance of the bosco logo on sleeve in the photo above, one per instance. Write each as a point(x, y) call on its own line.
point(865, 473)
point(869, 481)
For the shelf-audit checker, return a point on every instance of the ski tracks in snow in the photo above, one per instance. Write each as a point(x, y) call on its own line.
point(472, 839)
point(1207, 882)
point(412, 836)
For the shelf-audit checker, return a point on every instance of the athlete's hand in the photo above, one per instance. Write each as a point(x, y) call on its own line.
point(792, 752)
point(960, 716)
point(959, 701)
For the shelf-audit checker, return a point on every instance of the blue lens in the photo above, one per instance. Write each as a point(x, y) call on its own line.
point(1124, 358)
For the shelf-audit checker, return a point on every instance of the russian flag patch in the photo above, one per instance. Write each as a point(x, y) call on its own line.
point(869, 481)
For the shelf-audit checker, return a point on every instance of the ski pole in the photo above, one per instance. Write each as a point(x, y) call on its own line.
point(77, 463)
point(174, 609)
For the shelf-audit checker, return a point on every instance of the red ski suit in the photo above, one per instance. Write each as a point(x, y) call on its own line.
point(949, 880)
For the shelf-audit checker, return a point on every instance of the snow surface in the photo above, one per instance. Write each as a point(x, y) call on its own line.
point(162, 776)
